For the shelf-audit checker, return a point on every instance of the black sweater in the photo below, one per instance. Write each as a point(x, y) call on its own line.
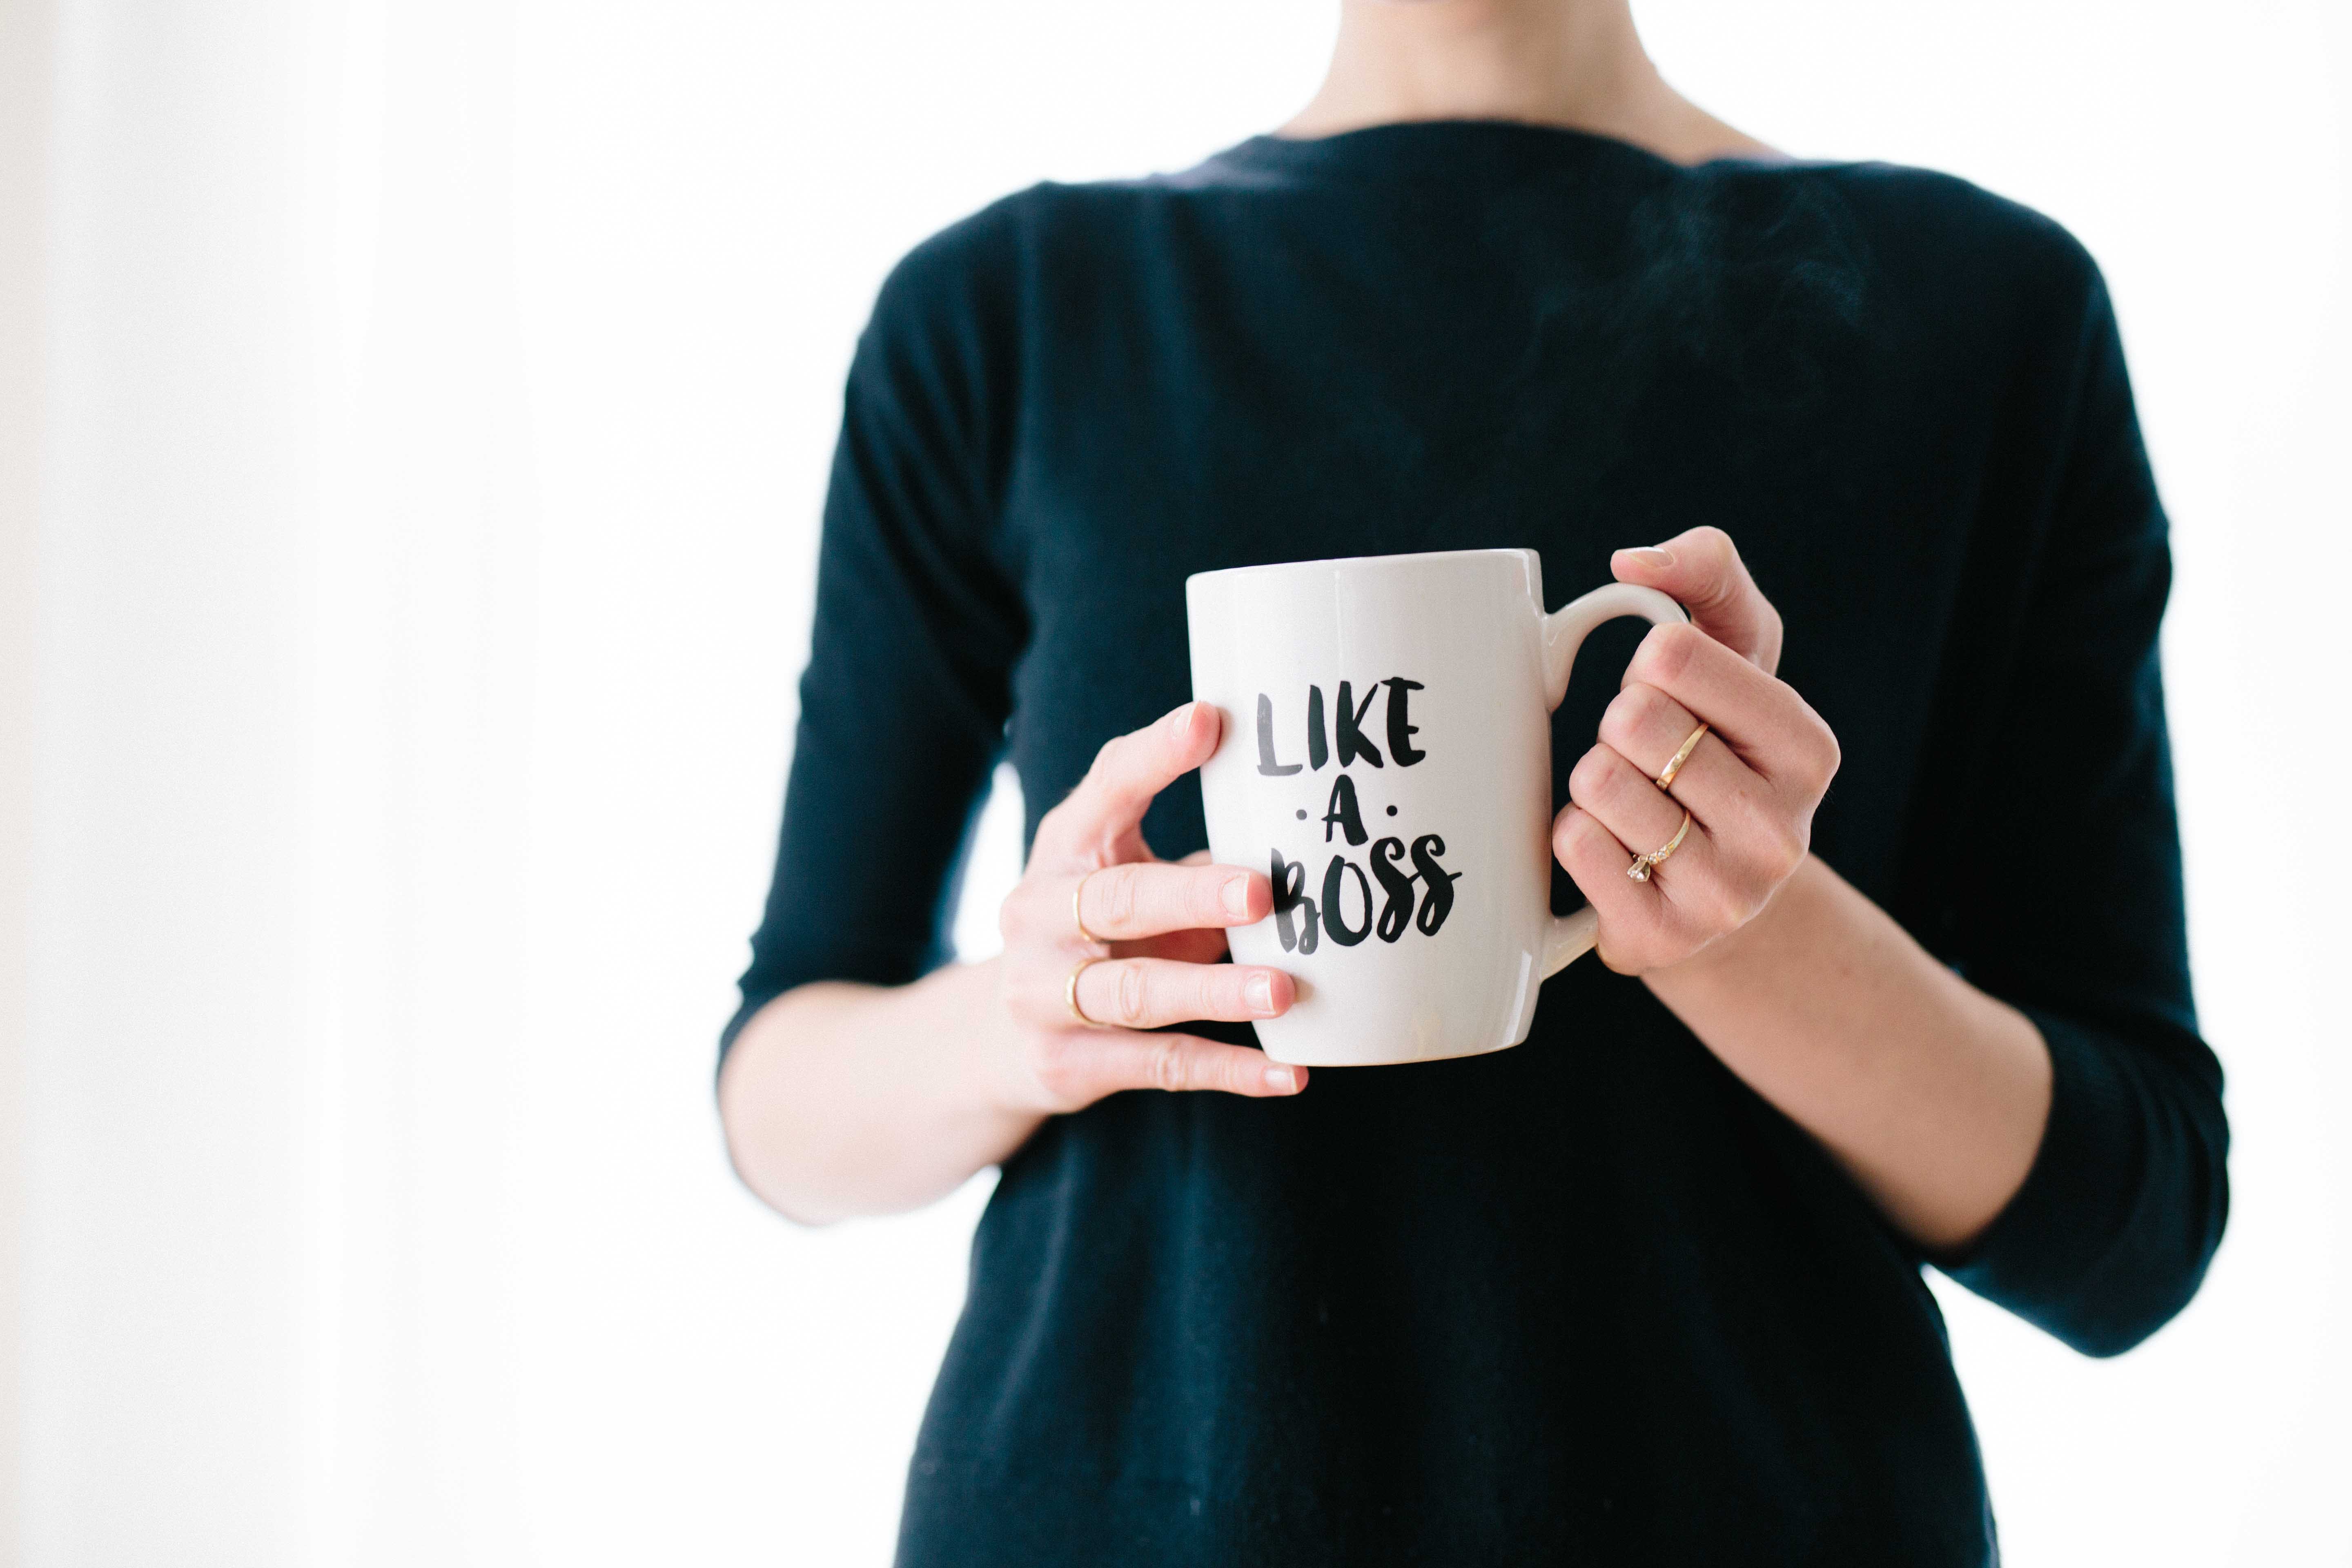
point(1591, 1300)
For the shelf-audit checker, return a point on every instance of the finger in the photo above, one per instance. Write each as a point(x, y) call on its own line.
point(1146, 898)
point(1646, 727)
point(1618, 797)
point(1749, 827)
point(1145, 992)
point(1085, 1066)
point(1704, 884)
point(1596, 862)
point(1101, 820)
point(1701, 569)
point(1204, 945)
point(1772, 729)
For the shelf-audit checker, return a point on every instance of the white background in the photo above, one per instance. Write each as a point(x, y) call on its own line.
point(415, 418)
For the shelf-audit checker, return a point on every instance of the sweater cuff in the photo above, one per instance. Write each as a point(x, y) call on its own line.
point(2048, 1252)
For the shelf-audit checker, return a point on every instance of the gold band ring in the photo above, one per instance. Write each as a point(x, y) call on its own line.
point(1639, 870)
point(1070, 992)
point(1666, 779)
point(1078, 919)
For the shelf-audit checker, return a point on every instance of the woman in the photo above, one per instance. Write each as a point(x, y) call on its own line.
point(1646, 1288)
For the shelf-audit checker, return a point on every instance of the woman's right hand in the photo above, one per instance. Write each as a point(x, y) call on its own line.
point(1163, 926)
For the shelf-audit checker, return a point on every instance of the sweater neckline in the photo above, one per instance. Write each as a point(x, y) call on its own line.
point(1411, 149)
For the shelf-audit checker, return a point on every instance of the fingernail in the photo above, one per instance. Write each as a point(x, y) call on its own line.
point(1260, 992)
point(1282, 1080)
point(1237, 895)
point(1649, 555)
point(1181, 718)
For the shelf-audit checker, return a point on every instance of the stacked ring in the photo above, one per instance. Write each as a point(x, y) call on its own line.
point(1666, 779)
point(1070, 992)
point(1639, 871)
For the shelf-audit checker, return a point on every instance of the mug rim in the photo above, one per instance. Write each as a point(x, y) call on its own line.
point(1416, 556)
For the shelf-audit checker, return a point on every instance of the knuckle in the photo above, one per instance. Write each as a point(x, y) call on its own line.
point(1590, 772)
point(1806, 774)
point(1131, 1001)
point(1591, 846)
point(1568, 835)
point(1025, 911)
point(1812, 746)
point(1828, 756)
point(1115, 895)
point(1235, 1071)
point(1632, 714)
point(1168, 1064)
point(1206, 991)
point(1053, 1063)
point(1667, 652)
point(1788, 847)
point(1620, 722)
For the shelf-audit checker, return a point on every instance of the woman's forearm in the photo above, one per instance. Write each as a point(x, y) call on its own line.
point(841, 1100)
point(1930, 1093)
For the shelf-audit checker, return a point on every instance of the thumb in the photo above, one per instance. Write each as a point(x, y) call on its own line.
point(1701, 569)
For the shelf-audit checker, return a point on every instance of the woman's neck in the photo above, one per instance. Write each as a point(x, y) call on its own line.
point(1575, 63)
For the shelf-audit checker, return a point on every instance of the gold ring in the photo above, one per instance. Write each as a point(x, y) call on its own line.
point(1639, 870)
point(1666, 779)
point(1078, 919)
point(1070, 992)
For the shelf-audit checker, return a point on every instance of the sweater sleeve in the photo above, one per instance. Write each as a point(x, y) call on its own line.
point(2071, 907)
point(917, 622)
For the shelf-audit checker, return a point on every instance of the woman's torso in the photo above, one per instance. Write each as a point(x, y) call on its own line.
point(1589, 1298)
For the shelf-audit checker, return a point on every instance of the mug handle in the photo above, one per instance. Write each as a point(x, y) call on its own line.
point(1564, 631)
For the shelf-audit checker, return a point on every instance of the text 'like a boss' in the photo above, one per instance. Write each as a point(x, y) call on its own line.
point(1298, 921)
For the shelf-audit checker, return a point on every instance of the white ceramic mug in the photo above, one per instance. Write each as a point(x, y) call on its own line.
point(1387, 758)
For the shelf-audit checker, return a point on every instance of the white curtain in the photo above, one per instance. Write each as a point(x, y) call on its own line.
point(413, 415)
point(287, 697)
point(423, 410)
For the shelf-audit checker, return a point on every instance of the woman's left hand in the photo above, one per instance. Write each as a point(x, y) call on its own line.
point(1750, 785)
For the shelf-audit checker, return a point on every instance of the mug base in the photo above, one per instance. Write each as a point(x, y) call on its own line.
point(1377, 1057)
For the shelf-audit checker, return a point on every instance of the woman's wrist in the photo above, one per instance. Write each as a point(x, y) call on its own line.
point(988, 1052)
point(1929, 1093)
point(1761, 940)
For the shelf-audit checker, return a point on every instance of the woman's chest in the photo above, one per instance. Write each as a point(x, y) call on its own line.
point(1141, 468)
